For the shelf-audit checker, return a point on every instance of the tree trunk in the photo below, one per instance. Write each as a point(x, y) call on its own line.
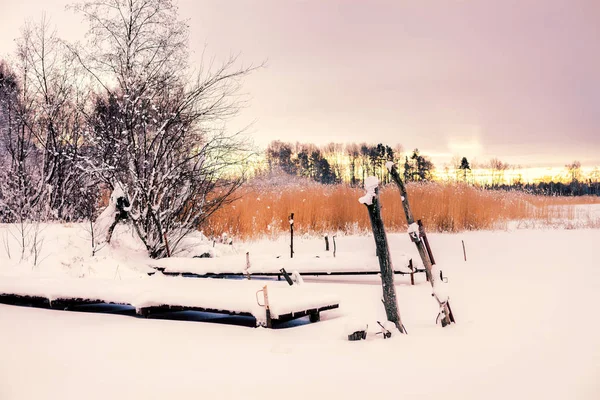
point(385, 263)
point(415, 236)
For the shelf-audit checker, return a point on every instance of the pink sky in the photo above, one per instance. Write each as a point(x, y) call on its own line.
point(514, 79)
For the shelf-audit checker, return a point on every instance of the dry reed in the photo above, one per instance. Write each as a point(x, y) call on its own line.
point(264, 209)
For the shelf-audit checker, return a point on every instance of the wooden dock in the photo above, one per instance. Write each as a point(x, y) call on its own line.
point(164, 295)
point(271, 267)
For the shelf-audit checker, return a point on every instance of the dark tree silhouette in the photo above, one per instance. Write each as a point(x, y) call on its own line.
point(464, 167)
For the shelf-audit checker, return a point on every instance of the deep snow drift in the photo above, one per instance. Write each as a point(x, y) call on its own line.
point(525, 303)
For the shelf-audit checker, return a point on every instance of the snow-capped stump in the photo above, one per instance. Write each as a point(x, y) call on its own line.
point(117, 210)
point(297, 278)
point(413, 231)
point(388, 328)
point(371, 185)
point(206, 254)
point(356, 330)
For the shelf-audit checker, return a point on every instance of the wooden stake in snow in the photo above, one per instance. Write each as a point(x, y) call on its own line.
point(412, 272)
point(326, 243)
point(334, 246)
point(269, 321)
point(464, 250)
point(292, 235)
point(247, 270)
point(371, 200)
point(416, 232)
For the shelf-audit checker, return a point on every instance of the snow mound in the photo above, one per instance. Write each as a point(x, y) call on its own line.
point(413, 228)
point(355, 325)
point(371, 184)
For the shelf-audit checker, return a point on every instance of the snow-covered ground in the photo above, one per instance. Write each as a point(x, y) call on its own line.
point(525, 303)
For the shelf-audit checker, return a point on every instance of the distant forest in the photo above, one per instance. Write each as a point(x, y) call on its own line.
point(337, 163)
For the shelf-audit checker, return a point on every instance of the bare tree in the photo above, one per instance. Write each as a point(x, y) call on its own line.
point(43, 136)
point(574, 170)
point(498, 168)
point(353, 152)
point(18, 174)
point(465, 168)
point(154, 130)
point(455, 162)
point(595, 175)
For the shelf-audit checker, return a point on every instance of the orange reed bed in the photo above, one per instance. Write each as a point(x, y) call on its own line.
point(264, 209)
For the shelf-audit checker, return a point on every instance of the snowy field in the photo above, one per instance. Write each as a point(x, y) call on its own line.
point(525, 303)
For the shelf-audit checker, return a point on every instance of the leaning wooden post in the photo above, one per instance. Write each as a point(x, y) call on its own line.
point(415, 235)
point(371, 200)
point(292, 235)
point(326, 242)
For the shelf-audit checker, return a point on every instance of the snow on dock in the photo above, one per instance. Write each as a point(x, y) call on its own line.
point(343, 264)
point(163, 294)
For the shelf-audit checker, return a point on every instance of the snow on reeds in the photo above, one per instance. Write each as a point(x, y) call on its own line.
point(263, 209)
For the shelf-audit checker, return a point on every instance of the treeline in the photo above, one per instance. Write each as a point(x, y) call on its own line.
point(574, 182)
point(574, 188)
point(351, 163)
point(345, 163)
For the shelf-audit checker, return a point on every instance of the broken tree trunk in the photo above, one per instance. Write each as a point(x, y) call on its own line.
point(117, 211)
point(416, 234)
point(371, 200)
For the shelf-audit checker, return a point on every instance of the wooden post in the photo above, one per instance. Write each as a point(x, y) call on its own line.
point(292, 235)
point(414, 232)
point(248, 265)
point(464, 250)
point(371, 200)
point(334, 246)
point(412, 272)
point(267, 307)
point(326, 243)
